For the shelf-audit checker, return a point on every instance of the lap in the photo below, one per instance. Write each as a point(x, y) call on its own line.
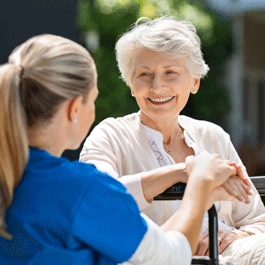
point(245, 251)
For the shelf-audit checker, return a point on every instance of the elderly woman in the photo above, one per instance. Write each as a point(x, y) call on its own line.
point(162, 63)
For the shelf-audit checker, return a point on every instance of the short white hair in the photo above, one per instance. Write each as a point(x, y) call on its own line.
point(176, 38)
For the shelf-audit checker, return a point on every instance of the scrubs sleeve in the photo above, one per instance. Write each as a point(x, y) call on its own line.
point(108, 220)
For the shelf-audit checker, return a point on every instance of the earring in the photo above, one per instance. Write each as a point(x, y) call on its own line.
point(75, 121)
point(195, 92)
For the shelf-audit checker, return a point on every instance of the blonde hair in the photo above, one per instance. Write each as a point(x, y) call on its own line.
point(40, 74)
point(166, 35)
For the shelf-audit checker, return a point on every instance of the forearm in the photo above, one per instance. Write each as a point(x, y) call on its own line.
point(158, 180)
point(158, 247)
point(188, 219)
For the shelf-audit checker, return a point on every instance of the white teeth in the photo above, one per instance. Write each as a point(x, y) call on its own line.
point(160, 99)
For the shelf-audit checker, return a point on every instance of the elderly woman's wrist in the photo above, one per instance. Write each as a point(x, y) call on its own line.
point(182, 176)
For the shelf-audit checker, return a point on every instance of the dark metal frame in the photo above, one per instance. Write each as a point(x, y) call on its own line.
point(176, 193)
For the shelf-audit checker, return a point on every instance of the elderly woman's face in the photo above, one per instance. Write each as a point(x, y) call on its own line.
point(161, 84)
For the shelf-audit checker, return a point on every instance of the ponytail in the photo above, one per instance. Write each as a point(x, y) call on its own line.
point(13, 138)
point(37, 79)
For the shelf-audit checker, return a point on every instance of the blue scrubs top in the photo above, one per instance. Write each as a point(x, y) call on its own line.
point(70, 213)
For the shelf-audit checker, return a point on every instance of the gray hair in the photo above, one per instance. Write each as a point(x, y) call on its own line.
point(166, 35)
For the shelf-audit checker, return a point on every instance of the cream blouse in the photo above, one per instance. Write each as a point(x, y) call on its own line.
point(155, 140)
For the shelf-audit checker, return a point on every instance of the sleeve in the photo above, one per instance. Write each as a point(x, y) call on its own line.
point(101, 149)
point(108, 220)
point(248, 217)
point(158, 247)
point(133, 184)
point(97, 150)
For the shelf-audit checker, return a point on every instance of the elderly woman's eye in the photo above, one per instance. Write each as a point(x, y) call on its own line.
point(170, 72)
point(143, 74)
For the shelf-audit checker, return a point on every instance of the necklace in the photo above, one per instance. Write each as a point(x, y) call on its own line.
point(170, 147)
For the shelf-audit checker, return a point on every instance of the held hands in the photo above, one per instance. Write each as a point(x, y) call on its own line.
point(210, 167)
point(229, 180)
point(238, 186)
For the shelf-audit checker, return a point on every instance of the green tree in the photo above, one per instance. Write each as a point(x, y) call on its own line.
point(100, 23)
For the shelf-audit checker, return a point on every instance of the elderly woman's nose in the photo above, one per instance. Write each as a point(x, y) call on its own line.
point(157, 82)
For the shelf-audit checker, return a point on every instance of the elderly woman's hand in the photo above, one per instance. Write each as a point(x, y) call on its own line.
point(238, 186)
point(225, 238)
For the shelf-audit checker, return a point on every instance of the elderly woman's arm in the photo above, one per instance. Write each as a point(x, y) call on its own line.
point(115, 151)
point(107, 150)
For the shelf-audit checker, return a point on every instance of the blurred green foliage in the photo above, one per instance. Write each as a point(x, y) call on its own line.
point(101, 22)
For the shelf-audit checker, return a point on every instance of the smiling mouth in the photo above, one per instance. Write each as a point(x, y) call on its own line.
point(160, 101)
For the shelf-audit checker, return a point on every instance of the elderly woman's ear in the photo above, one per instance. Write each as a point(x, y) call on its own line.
point(195, 86)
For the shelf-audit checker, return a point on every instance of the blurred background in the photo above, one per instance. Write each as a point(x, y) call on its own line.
point(233, 43)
